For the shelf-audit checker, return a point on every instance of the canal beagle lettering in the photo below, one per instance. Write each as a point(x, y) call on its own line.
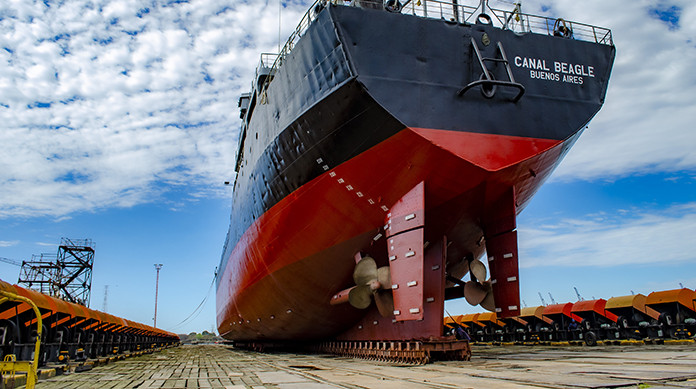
point(555, 71)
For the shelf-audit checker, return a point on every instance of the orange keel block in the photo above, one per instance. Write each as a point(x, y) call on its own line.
point(70, 330)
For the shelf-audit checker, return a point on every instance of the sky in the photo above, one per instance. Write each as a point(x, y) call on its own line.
point(119, 123)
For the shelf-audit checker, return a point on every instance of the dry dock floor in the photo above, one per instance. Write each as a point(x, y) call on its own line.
point(217, 366)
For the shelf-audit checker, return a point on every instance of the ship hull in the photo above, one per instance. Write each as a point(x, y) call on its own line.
point(324, 161)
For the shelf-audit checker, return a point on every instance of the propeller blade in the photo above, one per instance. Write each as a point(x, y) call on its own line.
point(365, 271)
point(385, 302)
point(474, 292)
point(478, 270)
point(359, 297)
point(488, 302)
point(384, 277)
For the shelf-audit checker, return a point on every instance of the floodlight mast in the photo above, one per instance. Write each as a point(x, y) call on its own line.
point(158, 266)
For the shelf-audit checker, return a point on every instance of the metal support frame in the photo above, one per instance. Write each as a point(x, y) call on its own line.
point(75, 258)
point(417, 352)
point(40, 274)
point(67, 275)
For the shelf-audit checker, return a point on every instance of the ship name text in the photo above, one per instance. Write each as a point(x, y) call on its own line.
point(555, 70)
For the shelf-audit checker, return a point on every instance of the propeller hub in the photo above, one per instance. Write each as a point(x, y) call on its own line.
point(374, 285)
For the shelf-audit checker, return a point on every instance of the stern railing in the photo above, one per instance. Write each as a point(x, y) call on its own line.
point(514, 19)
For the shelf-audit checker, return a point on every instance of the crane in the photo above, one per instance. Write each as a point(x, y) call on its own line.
point(578, 294)
point(11, 261)
point(552, 300)
point(542, 299)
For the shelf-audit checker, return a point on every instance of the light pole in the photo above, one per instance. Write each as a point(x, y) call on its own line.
point(158, 266)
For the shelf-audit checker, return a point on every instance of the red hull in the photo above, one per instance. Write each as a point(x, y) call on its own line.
point(283, 272)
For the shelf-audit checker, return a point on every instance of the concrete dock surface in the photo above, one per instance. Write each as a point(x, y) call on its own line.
point(219, 366)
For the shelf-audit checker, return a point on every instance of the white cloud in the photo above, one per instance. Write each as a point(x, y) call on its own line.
point(105, 105)
point(8, 243)
point(646, 124)
point(635, 237)
point(131, 96)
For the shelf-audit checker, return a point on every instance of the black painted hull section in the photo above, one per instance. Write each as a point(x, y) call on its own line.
point(414, 68)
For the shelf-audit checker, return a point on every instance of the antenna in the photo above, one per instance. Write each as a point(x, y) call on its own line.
point(542, 299)
point(580, 297)
point(106, 296)
point(552, 300)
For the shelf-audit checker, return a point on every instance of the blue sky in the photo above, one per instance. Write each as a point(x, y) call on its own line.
point(118, 122)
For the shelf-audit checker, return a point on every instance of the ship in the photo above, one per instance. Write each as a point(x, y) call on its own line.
point(383, 157)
